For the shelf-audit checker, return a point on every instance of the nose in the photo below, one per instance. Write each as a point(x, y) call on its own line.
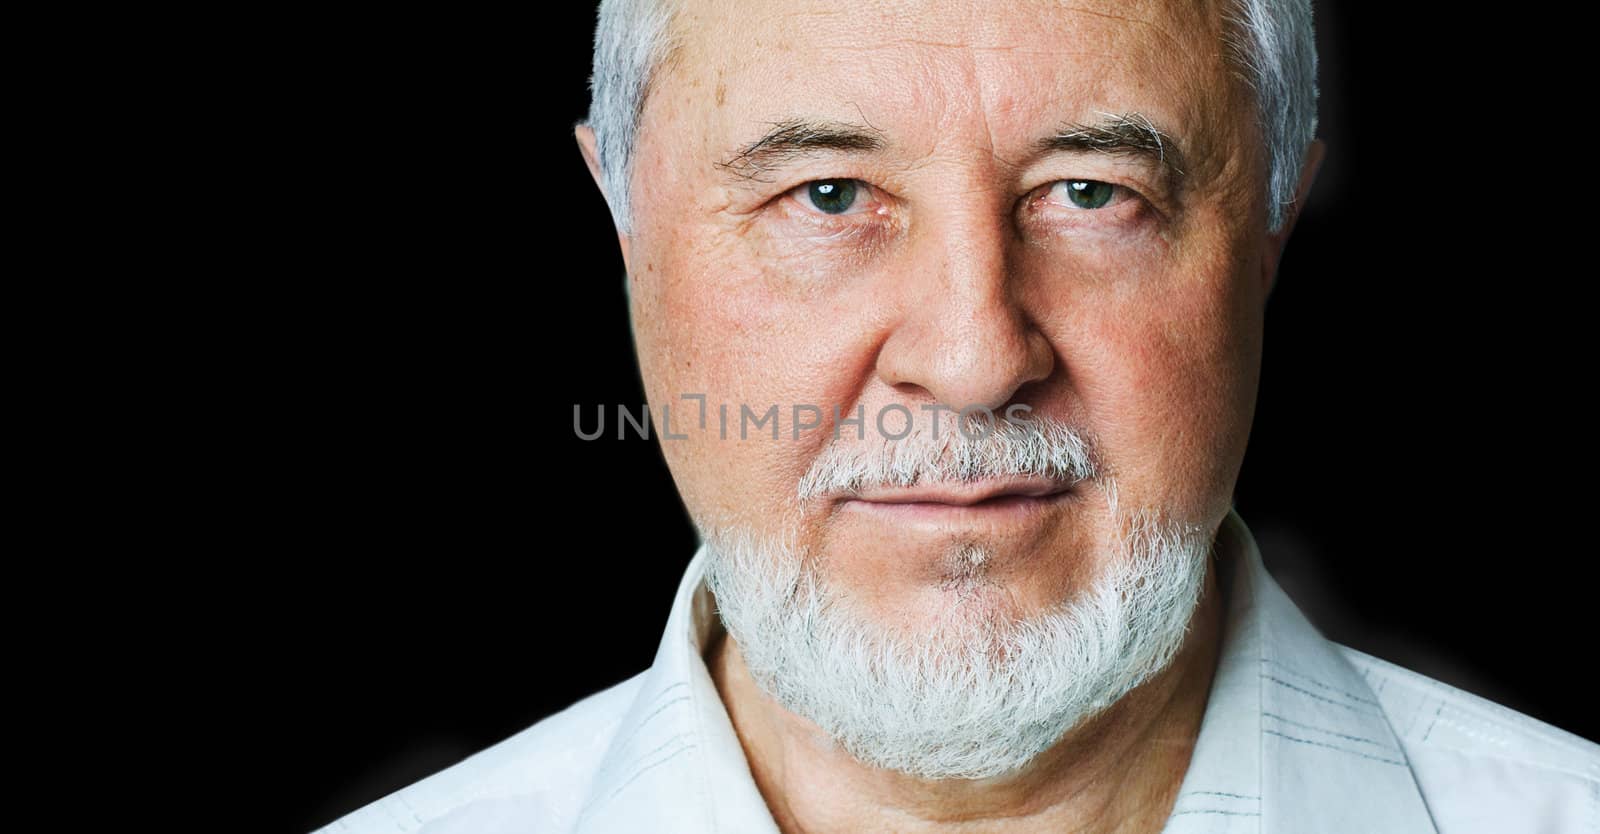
point(964, 339)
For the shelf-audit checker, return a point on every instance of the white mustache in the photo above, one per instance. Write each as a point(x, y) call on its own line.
point(1038, 446)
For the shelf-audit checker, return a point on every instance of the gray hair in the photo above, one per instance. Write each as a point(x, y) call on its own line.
point(1272, 44)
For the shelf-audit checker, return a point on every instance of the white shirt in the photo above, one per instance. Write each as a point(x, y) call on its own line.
point(1300, 735)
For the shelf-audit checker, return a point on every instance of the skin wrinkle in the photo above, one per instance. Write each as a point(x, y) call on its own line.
point(1140, 326)
point(735, 165)
point(1125, 19)
point(674, 55)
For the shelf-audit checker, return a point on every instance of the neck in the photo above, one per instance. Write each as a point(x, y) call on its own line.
point(1118, 772)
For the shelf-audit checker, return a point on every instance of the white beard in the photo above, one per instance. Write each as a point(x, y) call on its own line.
point(981, 693)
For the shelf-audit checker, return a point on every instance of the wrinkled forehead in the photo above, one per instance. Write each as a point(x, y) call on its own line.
point(969, 76)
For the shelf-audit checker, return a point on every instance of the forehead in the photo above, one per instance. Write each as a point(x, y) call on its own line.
point(939, 77)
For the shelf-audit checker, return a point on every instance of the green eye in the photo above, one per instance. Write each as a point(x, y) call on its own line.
point(1089, 194)
point(833, 196)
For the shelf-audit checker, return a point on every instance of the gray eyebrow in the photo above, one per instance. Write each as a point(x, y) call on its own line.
point(790, 139)
point(1131, 133)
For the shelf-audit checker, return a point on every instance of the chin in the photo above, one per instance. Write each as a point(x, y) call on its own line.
point(951, 679)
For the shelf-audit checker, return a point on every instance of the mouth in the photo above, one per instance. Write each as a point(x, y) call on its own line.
point(978, 501)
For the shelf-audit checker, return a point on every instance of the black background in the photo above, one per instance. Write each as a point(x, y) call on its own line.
point(432, 561)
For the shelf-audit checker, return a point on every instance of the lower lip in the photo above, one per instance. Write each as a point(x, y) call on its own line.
point(1004, 508)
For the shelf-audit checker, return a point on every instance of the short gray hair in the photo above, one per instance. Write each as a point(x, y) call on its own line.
point(1272, 43)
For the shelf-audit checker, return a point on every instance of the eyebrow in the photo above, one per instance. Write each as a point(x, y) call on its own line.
point(791, 139)
point(1128, 134)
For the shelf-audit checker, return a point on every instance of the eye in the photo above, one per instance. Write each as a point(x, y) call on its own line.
point(833, 196)
point(1086, 194)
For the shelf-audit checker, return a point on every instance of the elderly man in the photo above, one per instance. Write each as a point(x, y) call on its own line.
point(950, 318)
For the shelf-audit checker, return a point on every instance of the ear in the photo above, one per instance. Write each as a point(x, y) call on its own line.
point(591, 157)
point(1276, 242)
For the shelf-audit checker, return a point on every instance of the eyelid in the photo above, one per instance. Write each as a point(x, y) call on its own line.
point(864, 192)
point(809, 213)
point(1128, 192)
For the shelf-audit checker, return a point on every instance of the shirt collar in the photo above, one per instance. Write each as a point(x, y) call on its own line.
point(1292, 737)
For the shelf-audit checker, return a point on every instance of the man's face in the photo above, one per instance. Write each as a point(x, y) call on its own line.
point(971, 266)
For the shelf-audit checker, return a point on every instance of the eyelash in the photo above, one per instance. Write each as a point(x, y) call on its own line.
point(1121, 195)
point(1123, 191)
point(799, 192)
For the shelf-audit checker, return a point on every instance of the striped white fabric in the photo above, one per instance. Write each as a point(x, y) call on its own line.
point(1301, 736)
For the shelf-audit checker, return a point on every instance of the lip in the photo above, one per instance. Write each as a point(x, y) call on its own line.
point(964, 494)
point(981, 501)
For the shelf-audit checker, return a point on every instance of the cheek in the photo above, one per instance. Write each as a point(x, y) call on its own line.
point(1169, 385)
point(708, 327)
